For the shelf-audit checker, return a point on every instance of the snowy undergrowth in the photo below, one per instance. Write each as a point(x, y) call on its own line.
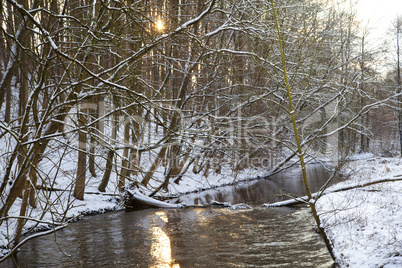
point(365, 224)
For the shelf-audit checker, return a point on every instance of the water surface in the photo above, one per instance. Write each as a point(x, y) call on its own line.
point(192, 237)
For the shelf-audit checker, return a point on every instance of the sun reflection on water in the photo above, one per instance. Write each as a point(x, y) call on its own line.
point(161, 249)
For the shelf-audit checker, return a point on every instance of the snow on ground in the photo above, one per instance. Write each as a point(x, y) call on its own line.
point(192, 182)
point(365, 224)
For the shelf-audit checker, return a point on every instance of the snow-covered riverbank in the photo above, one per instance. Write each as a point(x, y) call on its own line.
point(364, 224)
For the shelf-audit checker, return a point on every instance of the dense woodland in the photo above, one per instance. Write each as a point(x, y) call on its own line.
point(143, 92)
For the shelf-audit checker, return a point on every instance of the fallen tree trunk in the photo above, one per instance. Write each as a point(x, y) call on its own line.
point(134, 199)
point(304, 199)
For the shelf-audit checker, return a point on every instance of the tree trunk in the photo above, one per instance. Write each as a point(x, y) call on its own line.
point(155, 165)
point(94, 115)
point(398, 81)
point(298, 144)
point(125, 160)
point(108, 171)
point(23, 209)
point(134, 199)
point(34, 179)
point(82, 157)
point(23, 97)
point(91, 156)
point(110, 155)
point(304, 199)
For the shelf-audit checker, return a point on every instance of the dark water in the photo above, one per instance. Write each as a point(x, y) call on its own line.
point(192, 237)
point(276, 188)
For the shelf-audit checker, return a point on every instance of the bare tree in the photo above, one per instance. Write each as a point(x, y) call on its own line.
point(398, 78)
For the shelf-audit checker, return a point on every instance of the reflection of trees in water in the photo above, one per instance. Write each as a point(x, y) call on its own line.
point(274, 188)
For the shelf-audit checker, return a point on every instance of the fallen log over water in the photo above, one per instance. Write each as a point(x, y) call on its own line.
point(133, 198)
point(304, 199)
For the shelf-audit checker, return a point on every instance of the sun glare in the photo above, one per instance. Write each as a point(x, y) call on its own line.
point(159, 25)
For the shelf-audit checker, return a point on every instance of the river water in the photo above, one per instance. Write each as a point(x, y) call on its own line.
point(256, 192)
point(190, 237)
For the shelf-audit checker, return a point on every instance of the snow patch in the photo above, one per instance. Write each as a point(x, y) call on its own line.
point(364, 224)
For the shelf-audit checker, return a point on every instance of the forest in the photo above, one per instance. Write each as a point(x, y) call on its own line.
point(121, 94)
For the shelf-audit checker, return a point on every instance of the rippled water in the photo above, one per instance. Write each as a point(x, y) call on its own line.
point(191, 237)
point(258, 237)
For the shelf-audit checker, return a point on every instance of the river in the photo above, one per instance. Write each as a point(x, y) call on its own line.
point(192, 237)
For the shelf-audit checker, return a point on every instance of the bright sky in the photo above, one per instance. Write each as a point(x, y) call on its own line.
point(379, 14)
